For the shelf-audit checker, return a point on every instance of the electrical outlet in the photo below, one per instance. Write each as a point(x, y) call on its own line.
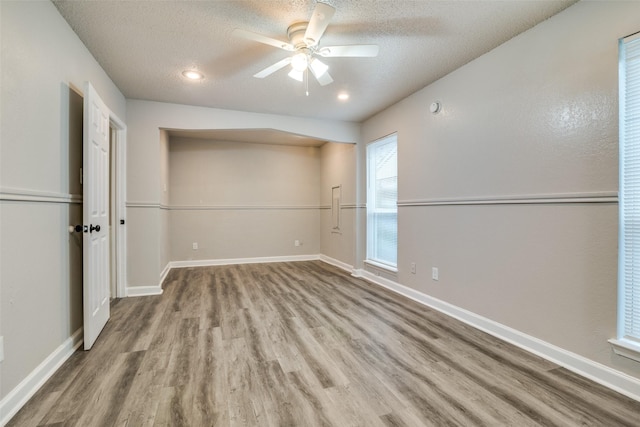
point(195, 246)
point(296, 243)
point(413, 268)
point(434, 273)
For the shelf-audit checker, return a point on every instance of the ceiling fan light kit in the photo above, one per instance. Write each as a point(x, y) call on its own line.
point(296, 74)
point(300, 60)
point(318, 67)
point(304, 39)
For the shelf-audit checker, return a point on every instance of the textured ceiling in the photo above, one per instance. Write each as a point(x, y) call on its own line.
point(145, 45)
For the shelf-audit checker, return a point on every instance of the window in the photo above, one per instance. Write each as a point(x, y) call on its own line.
point(382, 198)
point(628, 342)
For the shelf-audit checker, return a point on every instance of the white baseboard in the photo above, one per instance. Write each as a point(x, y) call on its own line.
point(231, 261)
point(615, 380)
point(165, 272)
point(336, 263)
point(21, 394)
point(143, 291)
point(139, 291)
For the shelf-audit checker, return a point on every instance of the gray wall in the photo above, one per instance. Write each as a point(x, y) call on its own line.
point(536, 117)
point(242, 200)
point(145, 189)
point(511, 190)
point(338, 168)
point(44, 67)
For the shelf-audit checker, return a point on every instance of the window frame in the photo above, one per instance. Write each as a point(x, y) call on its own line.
point(627, 344)
point(371, 242)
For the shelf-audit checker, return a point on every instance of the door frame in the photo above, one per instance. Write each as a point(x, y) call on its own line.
point(120, 159)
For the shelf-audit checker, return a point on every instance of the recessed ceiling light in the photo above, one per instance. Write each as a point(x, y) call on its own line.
point(193, 74)
point(343, 96)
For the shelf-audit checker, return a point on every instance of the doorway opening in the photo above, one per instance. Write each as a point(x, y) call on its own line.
point(113, 215)
point(117, 207)
point(102, 212)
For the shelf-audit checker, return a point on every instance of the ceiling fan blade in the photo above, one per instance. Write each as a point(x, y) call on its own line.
point(360, 50)
point(322, 14)
point(263, 39)
point(273, 68)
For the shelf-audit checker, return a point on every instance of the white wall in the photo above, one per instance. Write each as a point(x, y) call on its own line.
point(144, 178)
point(44, 67)
point(242, 200)
point(534, 118)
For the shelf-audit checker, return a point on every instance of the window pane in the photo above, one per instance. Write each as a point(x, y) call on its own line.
point(629, 248)
point(385, 227)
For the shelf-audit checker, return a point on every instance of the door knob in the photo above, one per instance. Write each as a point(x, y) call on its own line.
point(75, 228)
point(94, 227)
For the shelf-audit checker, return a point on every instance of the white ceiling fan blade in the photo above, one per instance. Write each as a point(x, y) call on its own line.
point(360, 50)
point(273, 68)
point(263, 39)
point(322, 14)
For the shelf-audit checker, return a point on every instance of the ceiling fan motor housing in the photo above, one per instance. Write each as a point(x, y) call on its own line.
point(296, 32)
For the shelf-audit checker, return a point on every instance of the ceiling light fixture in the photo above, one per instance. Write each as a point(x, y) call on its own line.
point(297, 74)
point(318, 68)
point(193, 74)
point(343, 96)
point(304, 46)
point(300, 61)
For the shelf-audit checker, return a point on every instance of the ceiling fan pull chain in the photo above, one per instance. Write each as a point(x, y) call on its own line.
point(306, 80)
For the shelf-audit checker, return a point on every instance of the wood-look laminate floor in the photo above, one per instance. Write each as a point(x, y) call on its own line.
point(305, 344)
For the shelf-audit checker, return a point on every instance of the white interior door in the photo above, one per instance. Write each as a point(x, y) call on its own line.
point(95, 167)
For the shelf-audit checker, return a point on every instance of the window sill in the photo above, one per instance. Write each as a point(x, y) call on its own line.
point(625, 348)
point(381, 266)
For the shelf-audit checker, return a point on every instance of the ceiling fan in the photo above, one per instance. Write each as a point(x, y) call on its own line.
point(304, 43)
